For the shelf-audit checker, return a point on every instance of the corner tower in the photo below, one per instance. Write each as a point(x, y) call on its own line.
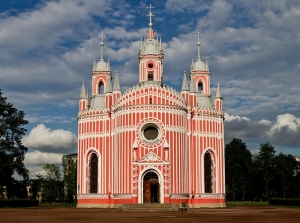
point(200, 73)
point(151, 56)
point(101, 81)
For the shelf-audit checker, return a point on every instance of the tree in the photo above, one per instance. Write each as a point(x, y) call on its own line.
point(238, 162)
point(12, 152)
point(52, 184)
point(265, 162)
point(286, 169)
point(69, 178)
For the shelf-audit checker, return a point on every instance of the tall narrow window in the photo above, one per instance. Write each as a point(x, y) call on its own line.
point(200, 87)
point(208, 173)
point(101, 88)
point(150, 101)
point(93, 173)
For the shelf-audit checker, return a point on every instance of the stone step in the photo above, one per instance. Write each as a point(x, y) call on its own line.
point(150, 207)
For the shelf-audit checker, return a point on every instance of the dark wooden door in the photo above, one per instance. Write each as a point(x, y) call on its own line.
point(147, 192)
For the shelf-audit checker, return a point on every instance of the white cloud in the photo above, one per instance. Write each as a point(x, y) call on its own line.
point(36, 118)
point(252, 48)
point(284, 131)
point(35, 170)
point(37, 157)
point(44, 139)
point(288, 122)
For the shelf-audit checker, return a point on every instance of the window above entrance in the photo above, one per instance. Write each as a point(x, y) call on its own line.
point(150, 133)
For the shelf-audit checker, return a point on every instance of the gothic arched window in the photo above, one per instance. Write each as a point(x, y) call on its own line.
point(200, 87)
point(93, 169)
point(101, 88)
point(208, 173)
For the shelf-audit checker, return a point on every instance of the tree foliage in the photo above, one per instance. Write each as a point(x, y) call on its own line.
point(265, 162)
point(238, 162)
point(12, 152)
point(52, 184)
point(69, 178)
point(261, 176)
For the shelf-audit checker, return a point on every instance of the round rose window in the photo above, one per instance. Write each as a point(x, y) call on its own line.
point(150, 65)
point(151, 133)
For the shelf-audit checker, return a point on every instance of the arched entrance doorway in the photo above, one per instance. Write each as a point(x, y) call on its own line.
point(151, 192)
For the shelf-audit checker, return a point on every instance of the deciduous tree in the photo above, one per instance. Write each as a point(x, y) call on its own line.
point(265, 162)
point(12, 151)
point(52, 184)
point(238, 162)
point(69, 178)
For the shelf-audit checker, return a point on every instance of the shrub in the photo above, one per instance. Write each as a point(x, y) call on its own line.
point(18, 203)
point(284, 201)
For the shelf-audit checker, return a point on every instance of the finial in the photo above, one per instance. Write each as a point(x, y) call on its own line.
point(198, 44)
point(101, 44)
point(150, 15)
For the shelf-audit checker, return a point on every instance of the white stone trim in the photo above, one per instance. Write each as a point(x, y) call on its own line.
point(141, 185)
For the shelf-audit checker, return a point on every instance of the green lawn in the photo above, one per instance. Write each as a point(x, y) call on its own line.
point(246, 203)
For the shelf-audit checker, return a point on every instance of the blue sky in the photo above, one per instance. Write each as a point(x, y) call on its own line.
point(48, 49)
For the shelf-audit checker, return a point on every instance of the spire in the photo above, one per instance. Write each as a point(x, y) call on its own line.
point(108, 86)
point(198, 44)
point(108, 64)
point(218, 93)
point(192, 85)
point(213, 98)
point(101, 46)
point(192, 64)
point(185, 86)
point(82, 92)
point(206, 64)
point(141, 45)
point(116, 83)
point(150, 15)
point(88, 99)
point(160, 43)
point(95, 66)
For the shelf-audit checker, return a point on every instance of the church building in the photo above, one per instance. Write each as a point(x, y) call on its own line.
point(150, 143)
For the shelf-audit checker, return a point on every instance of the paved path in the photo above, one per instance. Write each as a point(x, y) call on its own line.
point(230, 215)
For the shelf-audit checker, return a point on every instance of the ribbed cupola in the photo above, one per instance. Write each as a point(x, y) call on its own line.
point(150, 56)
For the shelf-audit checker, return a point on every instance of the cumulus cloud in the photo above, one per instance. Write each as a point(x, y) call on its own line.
point(37, 157)
point(44, 139)
point(252, 48)
point(284, 131)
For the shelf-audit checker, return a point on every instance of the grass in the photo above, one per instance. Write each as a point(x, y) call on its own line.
point(246, 203)
point(54, 205)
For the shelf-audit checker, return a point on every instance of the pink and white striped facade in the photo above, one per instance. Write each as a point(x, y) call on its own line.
point(151, 128)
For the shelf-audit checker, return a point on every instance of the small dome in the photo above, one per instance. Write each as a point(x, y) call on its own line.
point(150, 47)
point(204, 101)
point(102, 66)
point(199, 65)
